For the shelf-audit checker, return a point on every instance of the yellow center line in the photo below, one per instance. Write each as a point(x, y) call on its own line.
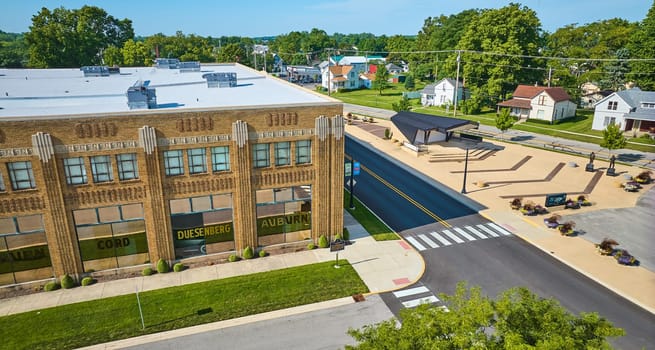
point(408, 198)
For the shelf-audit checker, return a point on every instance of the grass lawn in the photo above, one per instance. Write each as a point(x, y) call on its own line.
point(376, 228)
point(104, 320)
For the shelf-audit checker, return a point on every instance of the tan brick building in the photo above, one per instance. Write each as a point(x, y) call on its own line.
point(198, 164)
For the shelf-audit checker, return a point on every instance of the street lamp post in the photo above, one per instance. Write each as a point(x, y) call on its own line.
point(352, 164)
point(466, 165)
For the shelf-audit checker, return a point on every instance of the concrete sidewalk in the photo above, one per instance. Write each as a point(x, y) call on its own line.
point(383, 266)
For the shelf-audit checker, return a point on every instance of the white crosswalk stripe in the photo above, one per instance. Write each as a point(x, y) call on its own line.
point(476, 232)
point(416, 302)
point(499, 229)
point(428, 241)
point(416, 244)
point(463, 233)
point(453, 236)
point(411, 291)
point(441, 240)
point(487, 230)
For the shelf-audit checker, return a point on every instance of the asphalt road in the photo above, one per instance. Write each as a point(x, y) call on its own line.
point(495, 263)
point(324, 329)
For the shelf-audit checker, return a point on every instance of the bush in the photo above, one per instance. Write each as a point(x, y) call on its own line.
point(338, 237)
point(311, 246)
point(147, 271)
point(178, 267)
point(346, 234)
point(248, 253)
point(262, 253)
point(162, 266)
point(50, 286)
point(323, 242)
point(233, 258)
point(67, 282)
point(86, 281)
point(387, 133)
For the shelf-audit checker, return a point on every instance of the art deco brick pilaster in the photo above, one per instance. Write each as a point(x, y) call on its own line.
point(336, 175)
point(155, 207)
point(57, 220)
point(244, 207)
point(322, 182)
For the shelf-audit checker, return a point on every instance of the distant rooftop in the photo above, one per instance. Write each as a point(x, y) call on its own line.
point(66, 92)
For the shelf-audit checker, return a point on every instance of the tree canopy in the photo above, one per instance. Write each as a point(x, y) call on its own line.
point(504, 121)
point(74, 38)
point(517, 319)
point(613, 137)
point(381, 81)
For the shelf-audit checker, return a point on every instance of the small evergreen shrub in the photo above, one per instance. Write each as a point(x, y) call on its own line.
point(233, 258)
point(147, 271)
point(86, 281)
point(67, 282)
point(178, 267)
point(323, 242)
point(311, 246)
point(262, 253)
point(50, 286)
point(162, 266)
point(338, 237)
point(248, 253)
point(346, 234)
point(387, 133)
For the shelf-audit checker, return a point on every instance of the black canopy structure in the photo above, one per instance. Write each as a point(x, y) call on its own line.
point(418, 127)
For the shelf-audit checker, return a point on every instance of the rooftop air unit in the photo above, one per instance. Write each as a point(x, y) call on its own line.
point(221, 80)
point(167, 63)
point(140, 96)
point(189, 66)
point(95, 71)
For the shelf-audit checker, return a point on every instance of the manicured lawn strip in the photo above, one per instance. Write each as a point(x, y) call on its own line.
point(376, 228)
point(104, 320)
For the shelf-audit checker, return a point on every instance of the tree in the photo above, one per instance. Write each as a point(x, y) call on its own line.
point(409, 82)
point(402, 105)
point(642, 45)
point(613, 138)
point(74, 38)
point(231, 53)
point(504, 121)
point(616, 71)
point(112, 56)
point(381, 81)
point(518, 319)
point(136, 54)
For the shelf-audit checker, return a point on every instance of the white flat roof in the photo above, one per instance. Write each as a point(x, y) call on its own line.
point(60, 92)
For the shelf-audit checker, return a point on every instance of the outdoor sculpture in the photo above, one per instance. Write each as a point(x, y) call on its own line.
point(610, 170)
point(590, 165)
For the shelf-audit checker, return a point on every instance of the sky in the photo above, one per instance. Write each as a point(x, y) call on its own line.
point(256, 18)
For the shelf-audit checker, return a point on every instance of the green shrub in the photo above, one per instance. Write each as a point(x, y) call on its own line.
point(346, 234)
point(67, 282)
point(387, 133)
point(162, 266)
point(233, 258)
point(178, 267)
point(147, 271)
point(248, 253)
point(50, 286)
point(338, 237)
point(262, 253)
point(86, 281)
point(311, 246)
point(323, 242)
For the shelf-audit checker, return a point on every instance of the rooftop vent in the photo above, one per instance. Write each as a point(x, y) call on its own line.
point(140, 96)
point(220, 80)
point(167, 63)
point(95, 71)
point(190, 66)
point(115, 70)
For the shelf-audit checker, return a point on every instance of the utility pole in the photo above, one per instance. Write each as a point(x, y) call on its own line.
point(456, 84)
point(254, 54)
point(550, 74)
point(328, 76)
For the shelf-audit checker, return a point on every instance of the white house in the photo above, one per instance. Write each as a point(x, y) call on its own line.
point(441, 93)
point(631, 110)
point(347, 78)
point(539, 102)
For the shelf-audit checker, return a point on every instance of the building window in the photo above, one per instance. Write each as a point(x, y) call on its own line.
point(261, 157)
point(282, 153)
point(21, 175)
point(648, 105)
point(612, 105)
point(173, 163)
point(101, 169)
point(2, 184)
point(542, 99)
point(303, 152)
point(75, 171)
point(221, 158)
point(127, 167)
point(197, 160)
point(609, 121)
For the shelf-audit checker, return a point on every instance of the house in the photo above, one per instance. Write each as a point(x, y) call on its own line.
point(540, 102)
point(340, 77)
point(630, 109)
point(590, 99)
point(367, 79)
point(393, 69)
point(442, 93)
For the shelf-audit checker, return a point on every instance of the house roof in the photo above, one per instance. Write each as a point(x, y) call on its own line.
point(515, 102)
point(340, 70)
point(634, 98)
point(528, 92)
point(429, 89)
point(368, 76)
point(352, 60)
point(410, 122)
